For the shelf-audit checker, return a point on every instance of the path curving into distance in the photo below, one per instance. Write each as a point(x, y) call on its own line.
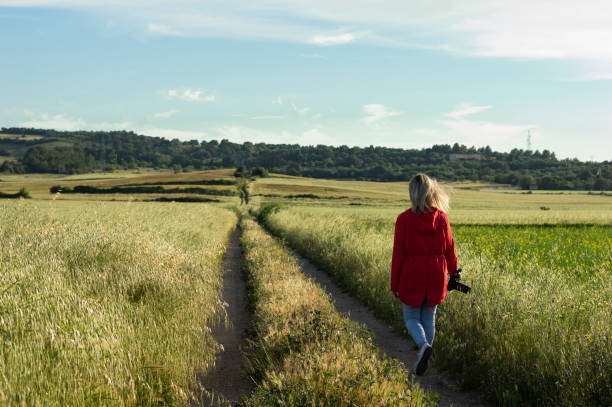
point(390, 342)
point(228, 378)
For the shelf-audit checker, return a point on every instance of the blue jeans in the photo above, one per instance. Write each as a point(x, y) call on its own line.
point(421, 322)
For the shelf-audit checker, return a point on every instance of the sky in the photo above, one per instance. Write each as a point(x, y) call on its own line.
point(399, 73)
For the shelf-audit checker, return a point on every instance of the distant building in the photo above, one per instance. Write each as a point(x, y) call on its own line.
point(457, 157)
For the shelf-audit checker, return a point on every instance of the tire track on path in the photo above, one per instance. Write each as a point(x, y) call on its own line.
point(228, 378)
point(390, 342)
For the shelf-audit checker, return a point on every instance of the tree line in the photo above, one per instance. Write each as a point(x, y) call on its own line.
point(86, 151)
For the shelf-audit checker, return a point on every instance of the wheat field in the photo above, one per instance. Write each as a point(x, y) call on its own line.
point(107, 303)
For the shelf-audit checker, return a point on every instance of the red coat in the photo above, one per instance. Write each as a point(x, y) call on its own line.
point(423, 254)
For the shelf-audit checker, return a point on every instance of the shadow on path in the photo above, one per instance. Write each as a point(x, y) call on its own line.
point(390, 342)
point(228, 378)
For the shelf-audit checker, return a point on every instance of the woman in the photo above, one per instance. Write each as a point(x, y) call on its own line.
point(423, 254)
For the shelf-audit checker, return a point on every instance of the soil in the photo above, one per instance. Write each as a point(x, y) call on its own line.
point(391, 343)
point(228, 380)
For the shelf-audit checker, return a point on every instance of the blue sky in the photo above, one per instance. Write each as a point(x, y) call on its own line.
point(404, 73)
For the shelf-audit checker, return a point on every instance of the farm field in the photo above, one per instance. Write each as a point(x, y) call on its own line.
point(472, 203)
point(107, 303)
point(39, 185)
point(536, 329)
point(88, 273)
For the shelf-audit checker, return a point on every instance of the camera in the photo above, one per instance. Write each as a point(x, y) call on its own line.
point(453, 284)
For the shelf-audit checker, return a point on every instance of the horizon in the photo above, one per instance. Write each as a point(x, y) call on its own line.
point(392, 74)
point(469, 147)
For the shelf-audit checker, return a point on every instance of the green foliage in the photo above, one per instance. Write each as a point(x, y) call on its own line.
point(241, 172)
point(88, 189)
point(12, 167)
point(23, 193)
point(83, 151)
point(243, 191)
point(58, 188)
point(259, 172)
point(266, 210)
point(244, 172)
point(183, 199)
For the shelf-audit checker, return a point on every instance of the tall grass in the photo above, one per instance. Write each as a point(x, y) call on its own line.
point(535, 331)
point(107, 303)
point(305, 353)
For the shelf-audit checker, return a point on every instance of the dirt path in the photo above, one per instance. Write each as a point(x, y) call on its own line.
point(390, 342)
point(228, 378)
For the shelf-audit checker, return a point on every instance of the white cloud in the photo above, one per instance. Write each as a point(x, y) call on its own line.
point(552, 29)
point(161, 29)
point(302, 111)
point(480, 133)
point(486, 133)
point(315, 136)
point(268, 117)
point(375, 112)
point(465, 109)
point(66, 123)
point(189, 95)
point(333, 39)
point(241, 134)
point(278, 101)
point(496, 28)
point(593, 77)
point(165, 115)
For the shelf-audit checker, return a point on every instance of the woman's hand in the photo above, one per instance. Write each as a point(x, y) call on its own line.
point(396, 294)
point(457, 275)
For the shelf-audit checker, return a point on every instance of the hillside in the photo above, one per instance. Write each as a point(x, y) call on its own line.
point(48, 151)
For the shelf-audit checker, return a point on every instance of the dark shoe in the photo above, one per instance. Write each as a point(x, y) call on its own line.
point(424, 354)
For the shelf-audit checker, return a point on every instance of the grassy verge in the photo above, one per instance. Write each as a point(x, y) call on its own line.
point(107, 303)
point(535, 331)
point(305, 353)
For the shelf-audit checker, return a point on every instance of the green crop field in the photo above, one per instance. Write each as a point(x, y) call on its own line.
point(107, 303)
point(537, 328)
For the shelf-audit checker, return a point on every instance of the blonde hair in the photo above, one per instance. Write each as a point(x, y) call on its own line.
point(425, 193)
